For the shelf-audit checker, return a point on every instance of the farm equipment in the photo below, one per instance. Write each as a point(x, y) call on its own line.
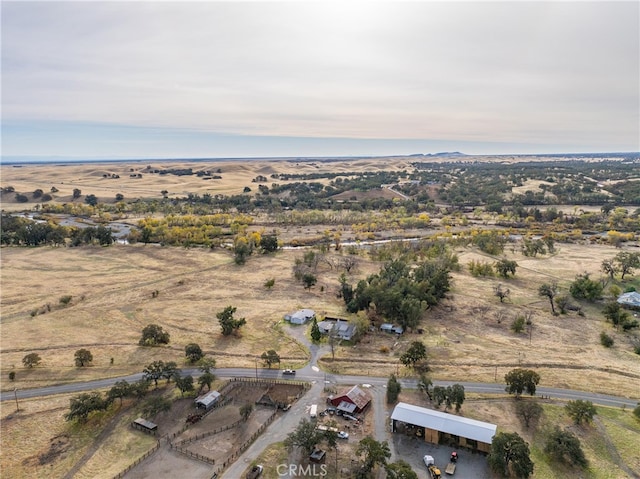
point(434, 472)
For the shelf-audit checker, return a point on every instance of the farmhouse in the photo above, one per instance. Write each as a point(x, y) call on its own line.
point(301, 316)
point(441, 428)
point(630, 300)
point(207, 401)
point(351, 400)
point(341, 328)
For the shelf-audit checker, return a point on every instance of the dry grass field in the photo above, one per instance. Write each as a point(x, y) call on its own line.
point(112, 292)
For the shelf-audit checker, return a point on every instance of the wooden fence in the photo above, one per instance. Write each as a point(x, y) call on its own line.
point(245, 445)
point(138, 461)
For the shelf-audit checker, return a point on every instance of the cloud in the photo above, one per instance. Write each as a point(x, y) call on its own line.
point(561, 73)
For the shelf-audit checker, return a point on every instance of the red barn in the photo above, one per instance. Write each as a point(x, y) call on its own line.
point(352, 400)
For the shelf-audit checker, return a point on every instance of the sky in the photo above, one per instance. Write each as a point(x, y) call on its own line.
point(167, 79)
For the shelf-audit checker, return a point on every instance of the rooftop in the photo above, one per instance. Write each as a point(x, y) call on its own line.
point(444, 422)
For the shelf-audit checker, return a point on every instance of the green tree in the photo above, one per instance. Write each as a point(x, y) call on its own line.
point(170, 370)
point(309, 280)
point(510, 455)
point(636, 411)
point(121, 389)
point(140, 388)
point(184, 383)
point(270, 283)
point(245, 411)
point(528, 411)
point(606, 340)
point(585, 288)
point(193, 352)
point(580, 411)
point(227, 321)
point(505, 267)
point(518, 324)
point(626, 262)
point(520, 380)
point(153, 371)
point(549, 290)
point(400, 470)
point(91, 200)
point(83, 357)
point(456, 395)
point(76, 193)
point(269, 243)
point(153, 334)
point(305, 436)
point(393, 389)
point(564, 446)
point(417, 352)
point(614, 313)
point(373, 453)
point(84, 404)
point(270, 357)
point(31, 360)
point(206, 364)
point(206, 378)
point(241, 250)
point(316, 335)
point(155, 405)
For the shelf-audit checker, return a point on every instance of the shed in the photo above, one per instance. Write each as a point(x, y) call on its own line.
point(443, 428)
point(631, 299)
point(207, 401)
point(355, 396)
point(144, 425)
point(390, 328)
point(301, 316)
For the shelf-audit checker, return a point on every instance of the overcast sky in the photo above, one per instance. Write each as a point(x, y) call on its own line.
point(220, 79)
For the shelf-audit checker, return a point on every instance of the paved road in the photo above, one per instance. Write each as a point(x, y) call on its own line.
point(309, 373)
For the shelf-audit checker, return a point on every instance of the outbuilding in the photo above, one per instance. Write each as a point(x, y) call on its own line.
point(442, 428)
point(353, 400)
point(630, 300)
point(207, 401)
point(144, 425)
point(301, 316)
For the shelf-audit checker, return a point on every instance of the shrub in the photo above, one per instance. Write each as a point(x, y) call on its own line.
point(384, 349)
point(606, 340)
point(65, 300)
point(518, 324)
point(12, 376)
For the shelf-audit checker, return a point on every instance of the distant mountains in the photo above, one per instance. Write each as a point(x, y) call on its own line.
point(447, 154)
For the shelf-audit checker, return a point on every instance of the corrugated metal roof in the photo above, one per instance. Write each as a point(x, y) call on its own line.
point(146, 424)
point(358, 397)
point(631, 299)
point(441, 421)
point(209, 398)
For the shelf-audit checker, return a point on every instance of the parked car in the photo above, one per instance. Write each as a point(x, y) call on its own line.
point(350, 417)
point(289, 371)
point(254, 472)
point(330, 410)
point(343, 435)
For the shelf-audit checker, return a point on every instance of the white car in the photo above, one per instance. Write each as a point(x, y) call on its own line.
point(428, 460)
point(289, 371)
point(343, 435)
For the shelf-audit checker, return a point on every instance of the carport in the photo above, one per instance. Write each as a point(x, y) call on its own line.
point(443, 428)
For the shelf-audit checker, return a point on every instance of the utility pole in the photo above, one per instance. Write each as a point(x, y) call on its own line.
point(256, 368)
point(15, 393)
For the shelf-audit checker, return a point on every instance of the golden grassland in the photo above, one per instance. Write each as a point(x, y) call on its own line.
point(89, 178)
point(112, 300)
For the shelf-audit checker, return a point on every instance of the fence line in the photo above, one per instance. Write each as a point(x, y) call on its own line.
point(245, 445)
point(138, 461)
point(206, 434)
